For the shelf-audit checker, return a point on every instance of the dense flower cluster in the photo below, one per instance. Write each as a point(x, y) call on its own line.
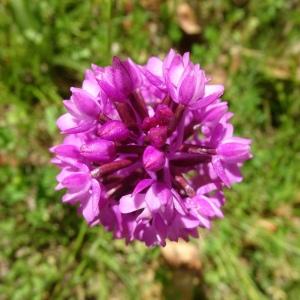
point(148, 149)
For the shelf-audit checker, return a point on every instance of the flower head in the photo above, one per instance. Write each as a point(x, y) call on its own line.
point(148, 149)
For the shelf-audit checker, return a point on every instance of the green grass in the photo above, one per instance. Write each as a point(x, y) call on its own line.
point(47, 252)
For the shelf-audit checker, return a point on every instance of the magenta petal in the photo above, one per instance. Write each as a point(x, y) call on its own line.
point(66, 150)
point(168, 59)
point(217, 135)
point(90, 84)
point(154, 65)
point(110, 91)
point(130, 203)
point(233, 173)
point(215, 113)
point(220, 171)
point(160, 227)
point(149, 237)
point(72, 109)
point(119, 80)
point(214, 90)
point(73, 198)
point(75, 181)
point(134, 73)
point(81, 127)
point(202, 102)
point(143, 184)
point(234, 152)
point(162, 192)
point(90, 209)
point(121, 74)
point(211, 94)
point(208, 209)
point(65, 122)
point(59, 186)
point(187, 88)
point(176, 70)
point(157, 81)
point(153, 200)
point(144, 215)
point(207, 188)
point(218, 199)
point(204, 222)
point(85, 103)
point(68, 124)
point(65, 172)
point(179, 205)
point(186, 58)
point(199, 78)
point(189, 222)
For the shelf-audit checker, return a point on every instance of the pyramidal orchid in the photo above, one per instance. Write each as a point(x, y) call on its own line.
point(148, 149)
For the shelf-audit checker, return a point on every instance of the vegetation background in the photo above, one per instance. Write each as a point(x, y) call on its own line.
point(253, 47)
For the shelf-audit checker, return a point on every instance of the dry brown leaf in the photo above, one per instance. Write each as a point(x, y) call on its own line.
point(284, 211)
point(182, 254)
point(267, 225)
point(127, 24)
point(187, 19)
point(151, 4)
point(6, 160)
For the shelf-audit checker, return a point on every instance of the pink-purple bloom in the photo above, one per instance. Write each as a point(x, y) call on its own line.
point(148, 149)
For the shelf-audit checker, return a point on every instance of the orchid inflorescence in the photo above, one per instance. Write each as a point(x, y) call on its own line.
point(148, 149)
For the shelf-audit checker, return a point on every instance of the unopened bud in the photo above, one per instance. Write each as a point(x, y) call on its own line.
point(164, 114)
point(149, 122)
point(153, 159)
point(114, 131)
point(99, 150)
point(158, 136)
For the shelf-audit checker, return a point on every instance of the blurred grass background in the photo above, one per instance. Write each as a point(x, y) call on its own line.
point(253, 47)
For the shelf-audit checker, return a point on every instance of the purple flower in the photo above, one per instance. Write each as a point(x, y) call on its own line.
point(185, 81)
point(119, 80)
point(148, 149)
point(159, 212)
point(154, 73)
point(75, 176)
point(85, 107)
